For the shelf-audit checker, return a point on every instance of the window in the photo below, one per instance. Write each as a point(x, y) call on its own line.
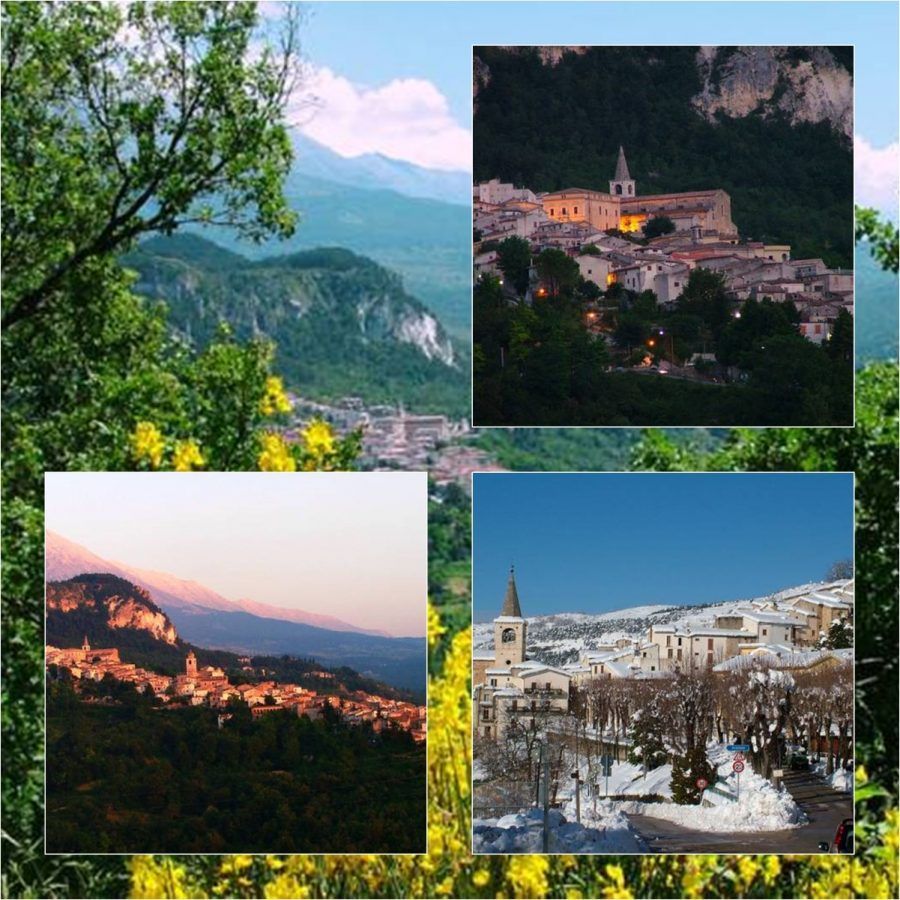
point(575, 210)
point(564, 211)
point(709, 643)
point(652, 668)
point(487, 730)
point(551, 210)
point(677, 284)
point(679, 642)
point(670, 653)
point(548, 685)
point(669, 641)
point(765, 631)
point(493, 682)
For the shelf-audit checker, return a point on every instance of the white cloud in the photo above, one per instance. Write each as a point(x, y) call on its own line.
point(876, 170)
point(407, 118)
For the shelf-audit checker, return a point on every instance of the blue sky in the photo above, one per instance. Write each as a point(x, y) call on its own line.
point(596, 543)
point(398, 75)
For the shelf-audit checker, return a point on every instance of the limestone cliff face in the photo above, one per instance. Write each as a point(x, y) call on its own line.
point(805, 84)
point(112, 602)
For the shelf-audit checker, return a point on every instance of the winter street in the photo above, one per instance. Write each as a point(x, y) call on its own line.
point(823, 806)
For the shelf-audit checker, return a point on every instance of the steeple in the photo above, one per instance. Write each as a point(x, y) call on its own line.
point(511, 601)
point(622, 167)
point(85, 645)
point(622, 184)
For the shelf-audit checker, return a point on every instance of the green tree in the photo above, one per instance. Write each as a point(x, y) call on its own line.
point(658, 226)
point(882, 236)
point(514, 260)
point(558, 271)
point(839, 637)
point(686, 770)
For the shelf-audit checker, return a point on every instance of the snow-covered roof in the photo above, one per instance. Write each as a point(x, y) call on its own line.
point(774, 618)
point(482, 655)
point(800, 659)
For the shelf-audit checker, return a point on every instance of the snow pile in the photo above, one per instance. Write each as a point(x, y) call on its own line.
point(626, 778)
point(523, 833)
point(842, 780)
point(761, 808)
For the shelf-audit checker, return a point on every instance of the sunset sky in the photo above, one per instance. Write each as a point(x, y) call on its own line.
point(350, 545)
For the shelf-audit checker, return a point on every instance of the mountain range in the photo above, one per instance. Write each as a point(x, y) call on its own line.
point(206, 618)
point(392, 211)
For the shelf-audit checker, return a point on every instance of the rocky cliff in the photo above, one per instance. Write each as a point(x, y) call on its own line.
point(806, 84)
point(97, 603)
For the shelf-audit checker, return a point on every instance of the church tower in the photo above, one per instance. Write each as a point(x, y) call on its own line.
point(509, 628)
point(190, 665)
point(622, 185)
point(85, 645)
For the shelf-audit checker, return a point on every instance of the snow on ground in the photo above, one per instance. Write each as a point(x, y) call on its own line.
point(625, 778)
point(523, 833)
point(840, 779)
point(761, 807)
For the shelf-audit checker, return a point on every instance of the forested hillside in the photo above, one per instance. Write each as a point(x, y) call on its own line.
point(343, 325)
point(551, 126)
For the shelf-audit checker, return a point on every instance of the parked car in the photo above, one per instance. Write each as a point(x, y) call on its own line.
point(843, 839)
point(799, 762)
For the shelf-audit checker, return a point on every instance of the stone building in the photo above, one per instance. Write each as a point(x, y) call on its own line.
point(704, 213)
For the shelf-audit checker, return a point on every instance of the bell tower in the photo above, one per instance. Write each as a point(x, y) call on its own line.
point(190, 665)
point(622, 184)
point(510, 628)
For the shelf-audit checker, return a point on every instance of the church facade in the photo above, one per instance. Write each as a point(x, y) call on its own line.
point(508, 686)
point(623, 209)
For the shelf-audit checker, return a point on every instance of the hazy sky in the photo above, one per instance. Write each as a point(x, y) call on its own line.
point(597, 543)
point(396, 78)
point(351, 545)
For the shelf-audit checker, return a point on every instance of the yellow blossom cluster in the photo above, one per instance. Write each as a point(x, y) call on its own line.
point(448, 869)
point(148, 446)
point(274, 399)
point(319, 438)
point(274, 454)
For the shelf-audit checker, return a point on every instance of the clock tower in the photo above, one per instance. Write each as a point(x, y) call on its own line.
point(509, 628)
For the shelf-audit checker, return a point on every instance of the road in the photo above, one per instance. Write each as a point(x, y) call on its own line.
point(824, 807)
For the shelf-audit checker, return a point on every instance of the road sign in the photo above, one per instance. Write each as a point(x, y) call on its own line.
point(737, 766)
point(738, 757)
point(702, 783)
point(731, 748)
point(778, 773)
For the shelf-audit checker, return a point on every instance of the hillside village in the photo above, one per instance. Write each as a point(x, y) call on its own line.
point(622, 241)
point(789, 633)
point(210, 686)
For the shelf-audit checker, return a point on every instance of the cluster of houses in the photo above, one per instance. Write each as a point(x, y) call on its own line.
point(783, 633)
point(394, 438)
point(577, 220)
point(210, 686)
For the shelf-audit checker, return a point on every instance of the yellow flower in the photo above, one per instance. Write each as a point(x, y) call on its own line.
point(528, 875)
point(481, 878)
point(147, 443)
point(187, 456)
point(319, 438)
point(435, 628)
point(274, 398)
point(616, 888)
point(275, 455)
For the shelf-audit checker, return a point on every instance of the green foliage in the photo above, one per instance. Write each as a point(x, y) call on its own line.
point(839, 637)
point(685, 772)
point(558, 271)
point(449, 562)
point(127, 776)
point(514, 260)
point(647, 747)
point(658, 226)
point(882, 236)
point(107, 139)
point(788, 183)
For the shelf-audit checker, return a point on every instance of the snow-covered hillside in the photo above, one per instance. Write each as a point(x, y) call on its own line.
point(560, 638)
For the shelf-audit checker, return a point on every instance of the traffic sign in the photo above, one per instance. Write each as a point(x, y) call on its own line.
point(738, 757)
point(702, 783)
point(738, 766)
point(731, 748)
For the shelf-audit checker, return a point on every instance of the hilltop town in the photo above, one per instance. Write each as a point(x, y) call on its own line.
point(621, 240)
point(210, 686)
